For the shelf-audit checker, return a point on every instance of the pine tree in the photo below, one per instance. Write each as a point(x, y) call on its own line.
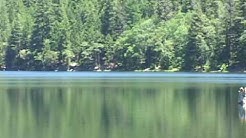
point(148, 8)
point(4, 31)
point(239, 26)
point(165, 9)
point(219, 53)
point(235, 28)
point(41, 32)
point(196, 49)
point(114, 18)
point(135, 34)
point(14, 44)
point(133, 12)
point(61, 33)
point(187, 5)
point(29, 3)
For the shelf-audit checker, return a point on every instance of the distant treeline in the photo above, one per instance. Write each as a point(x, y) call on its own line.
point(185, 35)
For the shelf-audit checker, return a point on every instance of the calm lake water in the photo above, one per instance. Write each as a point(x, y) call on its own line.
point(120, 105)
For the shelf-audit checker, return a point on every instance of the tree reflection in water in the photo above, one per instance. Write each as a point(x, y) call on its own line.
point(122, 109)
point(242, 103)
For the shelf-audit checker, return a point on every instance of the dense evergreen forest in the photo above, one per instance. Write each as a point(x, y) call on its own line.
point(126, 35)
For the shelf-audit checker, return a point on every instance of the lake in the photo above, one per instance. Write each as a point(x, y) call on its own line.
point(120, 105)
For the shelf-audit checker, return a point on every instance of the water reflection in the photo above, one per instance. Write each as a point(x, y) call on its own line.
point(241, 111)
point(119, 109)
point(242, 103)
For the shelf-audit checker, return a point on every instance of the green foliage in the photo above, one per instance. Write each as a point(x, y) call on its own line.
point(134, 46)
point(4, 30)
point(14, 45)
point(122, 35)
point(198, 48)
point(164, 9)
point(224, 68)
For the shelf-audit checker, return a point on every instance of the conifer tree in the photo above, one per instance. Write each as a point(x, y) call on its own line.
point(14, 45)
point(114, 18)
point(61, 34)
point(239, 26)
point(196, 49)
point(164, 9)
point(41, 32)
point(123, 34)
point(4, 31)
point(234, 29)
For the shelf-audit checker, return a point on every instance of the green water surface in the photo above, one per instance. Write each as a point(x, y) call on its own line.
point(119, 106)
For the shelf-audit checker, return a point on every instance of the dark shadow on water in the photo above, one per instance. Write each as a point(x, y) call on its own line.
point(38, 106)
point(13, 96)
point(190, 96)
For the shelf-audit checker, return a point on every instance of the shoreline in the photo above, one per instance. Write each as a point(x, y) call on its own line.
point(164, 71)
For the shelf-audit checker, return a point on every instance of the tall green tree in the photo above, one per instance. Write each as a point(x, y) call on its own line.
point(165, 9)
point(114, 18)
point(4, 31)
point(234, 30)
point(61, 42)
point(14, 45)
point(41, 31)
point(187, 5)
point(196, 50)
point(124, 35)
point(148, 9)
point(240, 28)
point(219, 51)
point(29, 3)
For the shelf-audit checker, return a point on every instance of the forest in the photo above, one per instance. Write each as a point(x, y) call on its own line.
point(123, 35)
